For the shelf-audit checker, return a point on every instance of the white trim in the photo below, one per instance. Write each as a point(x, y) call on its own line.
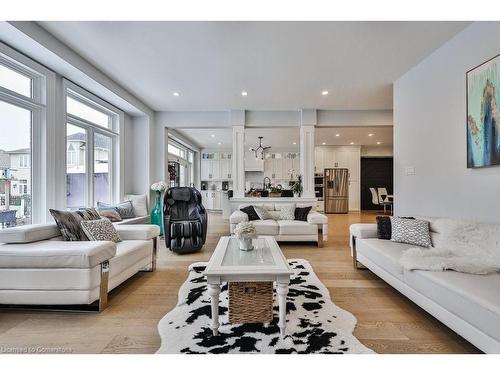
point(114, 132)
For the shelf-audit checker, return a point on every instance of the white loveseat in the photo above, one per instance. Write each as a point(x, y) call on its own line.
point(38, 268)
point(314, 229)
point(468, 304)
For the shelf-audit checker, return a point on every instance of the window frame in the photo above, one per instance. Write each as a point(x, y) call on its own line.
point(37, 105)
point(114, 131)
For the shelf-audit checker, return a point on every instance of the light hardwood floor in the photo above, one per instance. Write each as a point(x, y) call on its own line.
point(387, 321)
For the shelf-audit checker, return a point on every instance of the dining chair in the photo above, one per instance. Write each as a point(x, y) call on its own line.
point(384, 199)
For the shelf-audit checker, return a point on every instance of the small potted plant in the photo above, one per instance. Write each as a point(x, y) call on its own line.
point(296, 186)
point(156, 214)
point(245, 232)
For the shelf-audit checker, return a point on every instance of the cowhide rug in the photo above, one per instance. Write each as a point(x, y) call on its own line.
point(314, 323)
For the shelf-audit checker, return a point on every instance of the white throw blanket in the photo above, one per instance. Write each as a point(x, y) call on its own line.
point(464, 247)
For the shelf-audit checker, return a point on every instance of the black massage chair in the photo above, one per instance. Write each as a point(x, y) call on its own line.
point(185, 220)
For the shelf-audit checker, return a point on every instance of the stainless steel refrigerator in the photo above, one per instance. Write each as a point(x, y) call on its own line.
point(336, 185)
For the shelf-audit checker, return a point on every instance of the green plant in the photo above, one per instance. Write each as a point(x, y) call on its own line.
point(296, 186)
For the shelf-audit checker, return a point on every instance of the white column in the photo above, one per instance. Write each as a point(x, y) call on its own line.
point(237, 119)
point(308, 120)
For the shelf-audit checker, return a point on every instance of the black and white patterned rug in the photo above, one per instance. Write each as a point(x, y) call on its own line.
point(314, 323)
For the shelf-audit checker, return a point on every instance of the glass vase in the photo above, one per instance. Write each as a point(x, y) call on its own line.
point(157, 212)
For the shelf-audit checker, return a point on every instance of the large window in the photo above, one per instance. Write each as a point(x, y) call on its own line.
point(90, 173)
point(20, 108)
point(180, 159)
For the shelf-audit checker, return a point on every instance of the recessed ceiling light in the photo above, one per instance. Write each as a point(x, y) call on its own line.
point(379, 142)
point(324, 92)
point(324, 143)
point(351, 143)
point(219, 143)
point(337, 135)
point(370, 135)
point(212, 135)
point(176, 94)
point(244, 93)
point(294, 143)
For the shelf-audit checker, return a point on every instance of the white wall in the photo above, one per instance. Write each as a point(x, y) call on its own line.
point(376, 151)
point(430, 133)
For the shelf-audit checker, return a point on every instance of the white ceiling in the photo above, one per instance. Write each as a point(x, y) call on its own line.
point(284, 138)
point(282, 65)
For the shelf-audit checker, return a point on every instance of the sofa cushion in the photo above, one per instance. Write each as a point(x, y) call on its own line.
point(140, 203)
point(100, 230)
point(302, 212)
point(383, 253)
point(56, 254)
point(110, 213)
point(415, 232)
point(135, 220)
point(68, 222)
point(129, 253)
point(294, 227)
point(474, 298)
point(138, 231)
point(266, 227)
point(29, 233)
point(125, 208)
point(250, 211)
point(363, 230)
point(262, 212)
point(315, 217)
point(287, 211)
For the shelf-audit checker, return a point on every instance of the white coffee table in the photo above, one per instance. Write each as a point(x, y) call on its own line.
point(265, 263)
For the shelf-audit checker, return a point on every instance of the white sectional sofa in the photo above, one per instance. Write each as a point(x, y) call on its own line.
point(468, 304)
point(38, 268)
point(314, 229)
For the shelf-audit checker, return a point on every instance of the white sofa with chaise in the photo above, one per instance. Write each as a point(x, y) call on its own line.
point(468, 304)
point(38, 268)
point(314, 229)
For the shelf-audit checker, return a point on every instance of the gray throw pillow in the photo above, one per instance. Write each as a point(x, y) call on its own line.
point(262, 213)
point(68, 222)
point(100, 230)
point(411, 231)
point(287, 212)
point(125, 209)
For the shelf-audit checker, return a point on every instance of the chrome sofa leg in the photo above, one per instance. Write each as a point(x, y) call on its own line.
point(320, 235)
point(155, 251)
point(153, 258)
point(103, 290)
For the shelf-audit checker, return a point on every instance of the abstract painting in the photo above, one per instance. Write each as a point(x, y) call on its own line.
point(483, 119)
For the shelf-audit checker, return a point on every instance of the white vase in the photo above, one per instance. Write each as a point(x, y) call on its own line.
point(246, 244)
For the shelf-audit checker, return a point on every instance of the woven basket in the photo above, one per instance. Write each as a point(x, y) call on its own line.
point(250, 302)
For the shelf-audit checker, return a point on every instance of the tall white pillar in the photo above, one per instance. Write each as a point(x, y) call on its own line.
point(308, 121)
point(237, 119)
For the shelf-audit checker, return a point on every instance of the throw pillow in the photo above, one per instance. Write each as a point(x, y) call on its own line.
point(125, 209)
point(287, 212)
point(100, 230)
point(411, 231)
point(384, 229)
point(111, 214)
point(140, 203)
point(302, 212)
point(250, 211)
point(68, 222)
point(262, 212)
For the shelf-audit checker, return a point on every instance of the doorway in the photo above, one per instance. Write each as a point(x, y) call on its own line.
point(375, 172)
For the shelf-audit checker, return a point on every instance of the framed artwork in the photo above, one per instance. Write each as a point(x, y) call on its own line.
point(483, 117)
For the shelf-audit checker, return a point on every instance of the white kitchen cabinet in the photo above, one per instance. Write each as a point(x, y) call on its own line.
point(205, 170)
point(287, 166)
point(354, 195)
point(328, 159)
point(206, 199)
point(217, 201)
point(319, 163)
point(296, 166)
point(268, 167)
point(226, 167)
point(252, 163)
